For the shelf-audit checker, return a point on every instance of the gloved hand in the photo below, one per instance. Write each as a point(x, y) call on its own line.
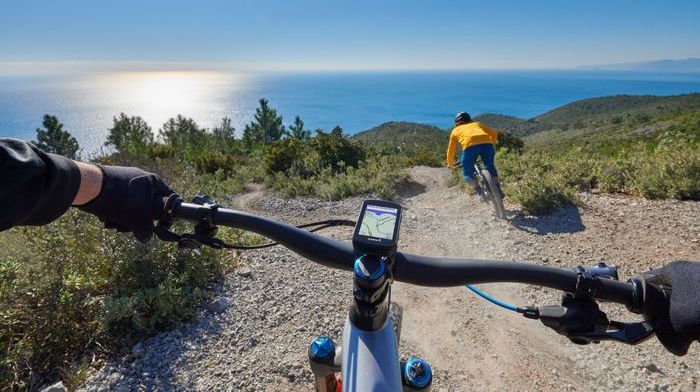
point(127, 199)
point(679, 326)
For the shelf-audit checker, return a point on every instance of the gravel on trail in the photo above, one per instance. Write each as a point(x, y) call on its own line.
point(254, 335)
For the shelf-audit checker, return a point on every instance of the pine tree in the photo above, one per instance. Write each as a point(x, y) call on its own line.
point(297, 131)
point(266, 126)
point(129, 134)
point(182, 132)
point(55, 140)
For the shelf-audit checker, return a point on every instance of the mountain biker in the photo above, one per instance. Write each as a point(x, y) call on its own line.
point(38, 187)
point(477, 140)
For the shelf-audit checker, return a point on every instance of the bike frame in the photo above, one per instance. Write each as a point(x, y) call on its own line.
point(370, 359)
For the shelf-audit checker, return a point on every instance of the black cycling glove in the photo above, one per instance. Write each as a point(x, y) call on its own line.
point(126, 201)
point(679, 326)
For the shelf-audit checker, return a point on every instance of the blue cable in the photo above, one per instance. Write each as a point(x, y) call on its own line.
point(491, 299)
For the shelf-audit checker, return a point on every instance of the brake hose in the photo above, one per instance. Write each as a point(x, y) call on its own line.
point(494, 300)
point(321, 225)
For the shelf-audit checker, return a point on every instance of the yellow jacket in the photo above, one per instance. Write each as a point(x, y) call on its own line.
point(468, 135)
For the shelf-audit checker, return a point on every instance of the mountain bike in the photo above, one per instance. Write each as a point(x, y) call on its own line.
point(368, 357)
point(492, 193)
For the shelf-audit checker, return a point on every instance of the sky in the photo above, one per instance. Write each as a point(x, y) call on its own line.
point(343, 35)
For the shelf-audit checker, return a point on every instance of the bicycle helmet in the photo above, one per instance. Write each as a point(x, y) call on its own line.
point(462, 117)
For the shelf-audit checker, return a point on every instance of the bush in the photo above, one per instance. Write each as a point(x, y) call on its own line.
point(612, 178)
point(667, 168)
point(286, 156)
point(102, 290)
point(214, 162)
point(540, 195)
point(336, 151)
point(510, 142)
point(671, 170)
point(326, 151)
point(427, 157)
point(378, 176)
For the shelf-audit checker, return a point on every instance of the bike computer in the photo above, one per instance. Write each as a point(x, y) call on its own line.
point(377, 229)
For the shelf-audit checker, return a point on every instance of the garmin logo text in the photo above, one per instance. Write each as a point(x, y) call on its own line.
point(374, 239)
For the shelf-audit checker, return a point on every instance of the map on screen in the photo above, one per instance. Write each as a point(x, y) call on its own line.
point(379, 222)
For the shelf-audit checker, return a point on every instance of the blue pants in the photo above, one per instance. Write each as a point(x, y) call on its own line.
point(487, 153)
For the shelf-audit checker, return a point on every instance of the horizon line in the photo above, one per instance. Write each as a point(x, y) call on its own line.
point(100, 66)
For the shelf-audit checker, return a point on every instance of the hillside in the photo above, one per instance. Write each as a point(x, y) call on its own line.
point(405, 134)
point(617, 109)
point(603, 124)
point(515, 125)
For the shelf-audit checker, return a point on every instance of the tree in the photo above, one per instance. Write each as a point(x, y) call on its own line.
point(55, 140)
point(509, 141)
point(223, 137)
point(265, 128)
point(297, 131)
point(224, 132)
point(337, 131)
point(336, 151)
point(182, 132)
point(129, 134)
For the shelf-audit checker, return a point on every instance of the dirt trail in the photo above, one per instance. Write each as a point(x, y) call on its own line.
point(475, 345)
point(469, 341)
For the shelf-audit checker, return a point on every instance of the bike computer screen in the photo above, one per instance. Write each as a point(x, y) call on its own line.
point(377, 228)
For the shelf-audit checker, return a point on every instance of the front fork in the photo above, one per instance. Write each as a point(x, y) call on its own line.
point(371, 320)
point(325, 359)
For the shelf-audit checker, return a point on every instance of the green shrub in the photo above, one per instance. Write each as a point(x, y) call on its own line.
point(102, 289)
point(161, 151)
point(285, 156)
point(671, 170)
point(214, 162)
point(336, 151)
point(510, 142)
point(612, 177)
point(427, 157)
point(539, 195)
point(578, 170)
point(537, 181)
point(378, 176)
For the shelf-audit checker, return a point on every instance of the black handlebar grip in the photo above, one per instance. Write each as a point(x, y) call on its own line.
point(159, 207)
point(650, 299)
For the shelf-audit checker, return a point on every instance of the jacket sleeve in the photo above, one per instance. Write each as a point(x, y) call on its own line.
point(451, 149)
point(493, 134)
point(35, 187)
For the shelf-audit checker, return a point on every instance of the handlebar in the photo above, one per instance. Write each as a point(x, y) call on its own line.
point(415, 269)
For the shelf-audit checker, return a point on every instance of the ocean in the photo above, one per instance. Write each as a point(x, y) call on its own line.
point(86, 103)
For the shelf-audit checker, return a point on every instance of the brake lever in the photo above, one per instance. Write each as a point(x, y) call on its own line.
point(204, 231)
point(628, 333)
point(583, 322)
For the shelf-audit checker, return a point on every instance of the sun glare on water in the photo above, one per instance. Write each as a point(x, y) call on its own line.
point(157, 96)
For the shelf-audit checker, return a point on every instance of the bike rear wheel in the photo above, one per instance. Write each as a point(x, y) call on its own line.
point(494, 195)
